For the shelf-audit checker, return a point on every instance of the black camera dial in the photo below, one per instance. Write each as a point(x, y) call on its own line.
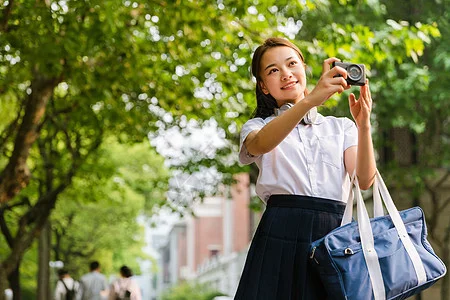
point(354, 72)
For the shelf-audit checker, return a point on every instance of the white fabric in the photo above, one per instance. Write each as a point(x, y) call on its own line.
point(60, 290)
point(121, 285)
point(378, 210)
point(347, 196)
point(368, 247)
point(309, 161)
point(8, 294)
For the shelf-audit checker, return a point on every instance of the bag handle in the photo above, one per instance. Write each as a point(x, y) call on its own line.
point(368, 246)
point(367, 241)
point(401, 229)
point(378, 210)
point(347, 196)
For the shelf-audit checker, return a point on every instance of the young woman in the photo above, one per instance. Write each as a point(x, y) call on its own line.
point(125, 287)
point(303, 159)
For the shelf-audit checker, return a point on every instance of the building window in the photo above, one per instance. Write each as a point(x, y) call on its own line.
point(214, 250)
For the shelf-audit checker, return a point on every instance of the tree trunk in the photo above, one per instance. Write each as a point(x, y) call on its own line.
point(30, 227)
point(4, 284)
point(14, 281)
point(445, 289)
point(43, 280)
point(16, 175)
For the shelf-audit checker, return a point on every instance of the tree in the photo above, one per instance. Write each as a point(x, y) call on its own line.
point(98, 213)
point(418, 147)
point(61, 77)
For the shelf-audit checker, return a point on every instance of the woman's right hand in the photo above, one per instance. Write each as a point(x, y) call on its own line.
point(328, 84)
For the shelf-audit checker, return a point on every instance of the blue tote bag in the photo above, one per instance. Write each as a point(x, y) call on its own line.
point(386, 257)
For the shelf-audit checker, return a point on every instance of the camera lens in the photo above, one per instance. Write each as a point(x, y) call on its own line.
point(354, 72)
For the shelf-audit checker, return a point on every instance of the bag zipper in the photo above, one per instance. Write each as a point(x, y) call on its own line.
point(312, 255)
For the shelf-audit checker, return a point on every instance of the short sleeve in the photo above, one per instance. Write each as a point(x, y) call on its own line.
point(252, 124)
point(351, 134)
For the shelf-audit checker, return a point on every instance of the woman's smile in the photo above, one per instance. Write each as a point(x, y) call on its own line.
point(290, 85)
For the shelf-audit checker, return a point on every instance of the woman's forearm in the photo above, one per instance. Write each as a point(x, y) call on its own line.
point(365, 166)
point(272, 134)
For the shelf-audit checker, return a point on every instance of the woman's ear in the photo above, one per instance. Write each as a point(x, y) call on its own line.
point(263, 88)
point(308, 70)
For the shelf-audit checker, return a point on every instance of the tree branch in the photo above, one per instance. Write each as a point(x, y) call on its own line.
point(3, 226)
point(5, 230)
point(16, 175)
point(5, 16)
point(444, 205)
point(442, 180)
point(8, 132)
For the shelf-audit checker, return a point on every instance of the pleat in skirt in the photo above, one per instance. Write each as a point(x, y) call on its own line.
point(278, 265)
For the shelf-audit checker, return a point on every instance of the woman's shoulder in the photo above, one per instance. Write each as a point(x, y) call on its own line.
point(253, 124)
point(256, 120)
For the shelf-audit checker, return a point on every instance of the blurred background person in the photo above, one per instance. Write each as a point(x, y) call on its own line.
point(8, 294)
point(93, 284)
point(125, 287)
point(66, 288)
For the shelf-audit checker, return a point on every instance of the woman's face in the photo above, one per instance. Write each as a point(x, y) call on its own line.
point(283, 75)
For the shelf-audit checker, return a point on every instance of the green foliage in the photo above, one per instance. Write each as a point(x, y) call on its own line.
point(138, 66)
point(191, 291)
point(210, 57)
point(96, 218)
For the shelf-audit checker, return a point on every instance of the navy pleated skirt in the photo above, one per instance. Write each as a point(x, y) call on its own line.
point(278, 264)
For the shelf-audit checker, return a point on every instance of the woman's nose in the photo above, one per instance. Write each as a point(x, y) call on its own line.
point(285, 74)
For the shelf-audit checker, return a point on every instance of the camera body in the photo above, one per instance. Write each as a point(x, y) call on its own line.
point(356, 74)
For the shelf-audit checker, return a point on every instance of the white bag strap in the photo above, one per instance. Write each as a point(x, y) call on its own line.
point(378, 210)
point(402, 233)
point(347, 196)
point(368, 247)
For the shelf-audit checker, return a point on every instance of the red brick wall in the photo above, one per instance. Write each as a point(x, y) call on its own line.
point(208, 231)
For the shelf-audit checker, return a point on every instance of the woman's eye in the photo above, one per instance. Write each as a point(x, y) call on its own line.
point(293, 63)
point(272, 71)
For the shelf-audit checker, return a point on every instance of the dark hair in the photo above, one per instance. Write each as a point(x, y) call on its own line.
point(62, 272)
point(94, 265)
point(265, 104)
point(126, 272)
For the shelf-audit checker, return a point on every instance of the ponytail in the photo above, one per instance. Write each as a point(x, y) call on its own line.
point(265, 104)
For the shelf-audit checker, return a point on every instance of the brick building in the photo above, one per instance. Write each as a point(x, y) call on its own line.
point(210, 246)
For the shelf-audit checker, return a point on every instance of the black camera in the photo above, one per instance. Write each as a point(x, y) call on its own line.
point(356, 74)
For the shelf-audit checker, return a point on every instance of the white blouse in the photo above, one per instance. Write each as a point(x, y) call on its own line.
point(121, 285)
point(309, 161)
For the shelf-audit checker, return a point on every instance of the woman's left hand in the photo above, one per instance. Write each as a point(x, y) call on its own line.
point(362, 107)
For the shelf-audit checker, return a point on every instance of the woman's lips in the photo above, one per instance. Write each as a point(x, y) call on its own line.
point(289, 85)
